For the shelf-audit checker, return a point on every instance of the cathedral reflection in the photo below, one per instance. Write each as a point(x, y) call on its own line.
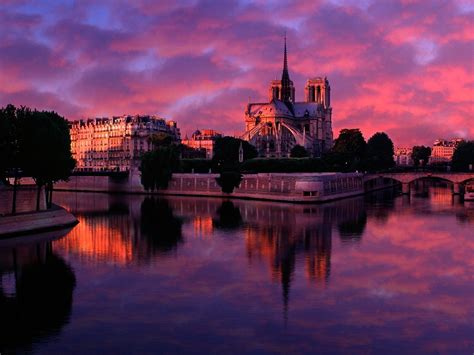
point(36, 292)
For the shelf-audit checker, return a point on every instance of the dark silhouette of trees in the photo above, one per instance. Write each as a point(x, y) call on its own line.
point(348, 151)
point(226, 149)
point(420, 154)
point(230, 177)
point(379, 152)
point(45, 149)
point(298, 151)
point(463, 156)
point(157, 167)
point(37, 144)
point(161, 139)
point(226, 160)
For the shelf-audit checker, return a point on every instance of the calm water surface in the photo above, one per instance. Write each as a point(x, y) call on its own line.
point(376, 274)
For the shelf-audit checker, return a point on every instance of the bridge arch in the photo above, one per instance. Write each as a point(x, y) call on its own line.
point(432, 177)
point(457, 180)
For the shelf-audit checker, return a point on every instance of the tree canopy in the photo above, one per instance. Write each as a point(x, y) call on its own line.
point(36, 143)
point(420, 153)
point(298, 151)
point(226, 150)
point(45, 147)
point(463, 156)
point(379, 152)
point(348, 151)
point(157, 167)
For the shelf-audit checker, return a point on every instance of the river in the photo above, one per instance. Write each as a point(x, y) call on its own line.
point(381, 273)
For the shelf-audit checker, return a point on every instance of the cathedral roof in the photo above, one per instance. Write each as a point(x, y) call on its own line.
point(280, 108)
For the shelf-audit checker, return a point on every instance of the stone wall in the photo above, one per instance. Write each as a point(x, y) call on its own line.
point(25, 199)
point(284, 187)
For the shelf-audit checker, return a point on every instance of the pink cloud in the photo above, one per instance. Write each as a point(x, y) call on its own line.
point(404, 67)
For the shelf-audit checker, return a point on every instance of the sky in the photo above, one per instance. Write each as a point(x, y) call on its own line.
point(405, 67)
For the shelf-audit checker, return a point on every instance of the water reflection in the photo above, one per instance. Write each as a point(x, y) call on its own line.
point(160, 229)
point(228, 216)
point(36, 291)
point(376, 274)
point(121, 231)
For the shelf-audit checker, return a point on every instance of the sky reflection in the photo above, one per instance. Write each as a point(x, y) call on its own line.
point(376, 274)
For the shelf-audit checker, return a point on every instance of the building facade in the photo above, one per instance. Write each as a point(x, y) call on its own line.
point(203, 140)
point(275, 127)
point(443, 150)
point(115, 144)
point(403, 156)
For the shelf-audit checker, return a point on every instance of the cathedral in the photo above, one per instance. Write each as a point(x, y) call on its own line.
point(275, 127)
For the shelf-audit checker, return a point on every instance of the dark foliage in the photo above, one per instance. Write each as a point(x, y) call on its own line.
point(161, 139)
point(226, 150)
point(379, 153)
point(420, 154)
point(200, 166)
point(45, 147)
point(348, 151)
point(191, 153)
point(157, 167)
point(298, 151)
point(37, 143)
point(463, 156)
point(230, 177)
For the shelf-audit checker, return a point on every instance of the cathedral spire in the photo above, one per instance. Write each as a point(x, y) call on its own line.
point(285, 63)
point(286, 84)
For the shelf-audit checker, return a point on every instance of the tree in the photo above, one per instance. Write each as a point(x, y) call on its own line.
point(348, 151)
point(157, 167)
point(8, 140)
point(379, 152)
point(229, 179)
point(463, 156)
point(37, 144)
point(420, 154)
point(298, 151)
point(9, 148)
point(226, 149)
point(161, 139)
point(45, 149)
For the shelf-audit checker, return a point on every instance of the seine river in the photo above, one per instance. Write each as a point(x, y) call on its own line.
point(379, 274)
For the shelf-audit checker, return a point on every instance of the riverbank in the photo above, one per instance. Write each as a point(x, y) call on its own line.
point(36, 222)
point(288, 187)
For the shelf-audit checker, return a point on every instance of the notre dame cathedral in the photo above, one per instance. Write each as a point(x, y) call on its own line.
point(275, 127)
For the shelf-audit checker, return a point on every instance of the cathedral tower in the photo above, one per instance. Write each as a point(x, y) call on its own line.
point(283, 89)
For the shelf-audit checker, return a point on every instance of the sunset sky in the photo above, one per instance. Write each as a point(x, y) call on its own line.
point(405, 67)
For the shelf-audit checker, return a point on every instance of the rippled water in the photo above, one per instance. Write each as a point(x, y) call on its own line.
point(375, 274)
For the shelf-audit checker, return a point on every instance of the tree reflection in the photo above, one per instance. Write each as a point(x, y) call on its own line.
point(382, 204)
point(352, 229)
point(228, 216)
point(161, 228)
point(41, 301)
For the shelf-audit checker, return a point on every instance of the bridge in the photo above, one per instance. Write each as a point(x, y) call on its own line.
point(458, 180)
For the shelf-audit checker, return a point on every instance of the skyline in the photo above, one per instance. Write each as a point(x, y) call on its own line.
point(403, 67)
